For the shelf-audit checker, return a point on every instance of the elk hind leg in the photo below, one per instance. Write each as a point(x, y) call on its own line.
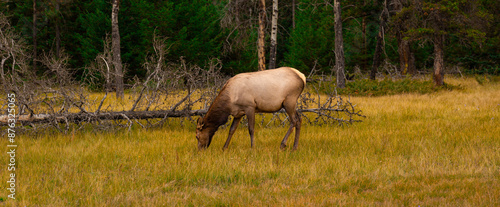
point(298, 123)
point(250, 112)
point(283, 142)
point(293, 116)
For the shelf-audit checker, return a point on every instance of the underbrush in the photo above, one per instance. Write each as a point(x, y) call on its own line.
point(484, 79)
point(387, 86)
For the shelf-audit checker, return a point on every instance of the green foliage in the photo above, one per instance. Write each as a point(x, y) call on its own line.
point(312, 41)
point(242, 60)
point(471, 30)
point(92, 28)
point(193, 30)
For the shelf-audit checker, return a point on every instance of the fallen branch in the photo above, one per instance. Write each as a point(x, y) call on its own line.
point(84, 117)
point(130, 115)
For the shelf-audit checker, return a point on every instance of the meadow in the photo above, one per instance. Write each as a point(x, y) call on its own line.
point(435, 149)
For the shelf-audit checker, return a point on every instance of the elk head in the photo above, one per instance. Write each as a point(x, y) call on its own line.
point(203, 134)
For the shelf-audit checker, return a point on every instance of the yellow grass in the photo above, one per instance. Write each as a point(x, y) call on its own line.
point(440, 149)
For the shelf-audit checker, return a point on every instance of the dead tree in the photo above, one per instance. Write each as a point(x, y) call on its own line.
point(117, 60)
point(339, 45)
point(261, 43)
point(13, 53)
point(242, 16)
point(58, 65)
point(7, 44)
point(177, 89)
point(274, 34)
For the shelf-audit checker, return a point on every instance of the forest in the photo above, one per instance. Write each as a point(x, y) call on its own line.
point(412, 36)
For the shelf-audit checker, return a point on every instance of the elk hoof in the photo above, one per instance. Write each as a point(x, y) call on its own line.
point(283, 146)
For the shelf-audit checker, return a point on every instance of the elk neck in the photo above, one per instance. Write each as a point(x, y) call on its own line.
point(218, 113)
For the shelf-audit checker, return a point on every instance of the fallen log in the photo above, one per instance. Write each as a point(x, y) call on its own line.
point(88, 117)
point(123, 115)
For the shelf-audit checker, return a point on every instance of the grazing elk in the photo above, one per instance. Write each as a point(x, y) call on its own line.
point(247, 93)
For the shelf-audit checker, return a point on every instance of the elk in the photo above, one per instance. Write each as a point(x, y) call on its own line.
point(265, 91)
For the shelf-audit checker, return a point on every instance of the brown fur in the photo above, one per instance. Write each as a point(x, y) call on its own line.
point(247, 93)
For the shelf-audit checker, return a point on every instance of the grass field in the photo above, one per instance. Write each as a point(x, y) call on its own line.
point(437, 149)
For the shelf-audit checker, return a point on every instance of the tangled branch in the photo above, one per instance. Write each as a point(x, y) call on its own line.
point(169, 90)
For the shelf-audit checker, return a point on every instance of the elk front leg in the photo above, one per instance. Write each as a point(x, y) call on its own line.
point(234, 125)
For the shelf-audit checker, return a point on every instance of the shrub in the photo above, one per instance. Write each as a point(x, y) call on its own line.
point(367, 87)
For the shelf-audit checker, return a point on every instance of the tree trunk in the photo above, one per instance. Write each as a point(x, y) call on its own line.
point(115, 44)
point(261, 43)
point(34, 36)
point(377, 54)
point(412, 69)
point(339, 46)
point(406, 57)
point(438, 59)
point(2, 72)
point(274, 31)
point(380, 41)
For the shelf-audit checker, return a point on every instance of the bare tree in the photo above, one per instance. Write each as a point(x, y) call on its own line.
point(261, 42)
point(12, 53)
point(243, 16)
point(240, 16)
point(274, 32)
point(103, 62)
point(117, 60)
point(339, 45)
point(169, 90)
point(58, 65)
point(6, 43)
point(99, 72)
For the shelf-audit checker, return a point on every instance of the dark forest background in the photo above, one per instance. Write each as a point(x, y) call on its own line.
point(197, 31)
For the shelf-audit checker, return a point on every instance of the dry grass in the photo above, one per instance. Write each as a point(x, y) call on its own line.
point(440, 149)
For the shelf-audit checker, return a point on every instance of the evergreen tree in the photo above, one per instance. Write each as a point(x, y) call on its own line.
point(437, 20)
